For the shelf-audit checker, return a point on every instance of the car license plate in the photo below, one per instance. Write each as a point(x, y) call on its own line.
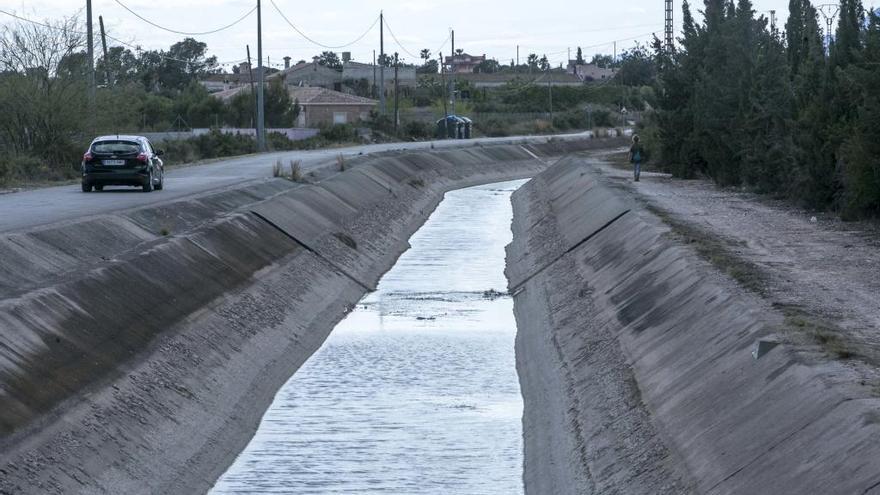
point(113, 162)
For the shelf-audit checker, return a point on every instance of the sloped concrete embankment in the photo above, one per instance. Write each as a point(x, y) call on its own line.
point(139, 350)
point(637, 369)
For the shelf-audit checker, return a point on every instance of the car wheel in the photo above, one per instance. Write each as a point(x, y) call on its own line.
point(161, 184)
point(99, 188)
point(148, 185)
point(86, 187)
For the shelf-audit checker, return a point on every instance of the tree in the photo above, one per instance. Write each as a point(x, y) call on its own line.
point(121, 64)
point(430, 67)
point(329, 59)
point(185, 61)
point(42, 87)
point(636, 67)
point(860, 166)
point(488, 66)
point(385, 60)
point(532, 61)
point(425, 54)
point(543, 63)
point(579, 60)
point(279, 107)
point(600, 60)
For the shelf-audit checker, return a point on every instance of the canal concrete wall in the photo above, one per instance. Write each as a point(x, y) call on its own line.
point(140, 349)
point(637, 364)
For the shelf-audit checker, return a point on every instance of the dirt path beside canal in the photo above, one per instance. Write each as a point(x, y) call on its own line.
point(821, 273)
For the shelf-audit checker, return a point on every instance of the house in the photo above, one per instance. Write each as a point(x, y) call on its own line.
point(463, 63)
point(590, 72)
point(353, 71)
point(321, 106)
point(499, 79)
point(310, 74)
point(215, 83)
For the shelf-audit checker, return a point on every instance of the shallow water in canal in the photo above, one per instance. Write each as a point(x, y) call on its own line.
point(416, 391)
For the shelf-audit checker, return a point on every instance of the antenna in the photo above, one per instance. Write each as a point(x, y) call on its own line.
point(670, 27)
point(829, 12)
point(773, 20)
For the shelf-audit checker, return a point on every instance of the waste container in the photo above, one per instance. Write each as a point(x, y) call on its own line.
point(467, 126)
point(450, 128)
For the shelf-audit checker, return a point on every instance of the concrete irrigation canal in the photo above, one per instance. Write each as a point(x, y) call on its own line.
point(360, 333)
point(416, 390)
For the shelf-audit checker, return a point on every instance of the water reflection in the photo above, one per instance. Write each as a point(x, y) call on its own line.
point(416, 391)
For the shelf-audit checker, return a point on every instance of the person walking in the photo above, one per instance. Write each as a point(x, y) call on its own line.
point(636, 154)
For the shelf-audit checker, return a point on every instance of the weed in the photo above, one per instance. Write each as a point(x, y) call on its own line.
point(417, 183)
point(824, 334)
point(296, 171)
point(276, 169)
point(164, 232)
point(716, 252)
point(340, 162)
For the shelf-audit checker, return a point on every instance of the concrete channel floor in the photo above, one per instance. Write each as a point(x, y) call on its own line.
point(28, 209)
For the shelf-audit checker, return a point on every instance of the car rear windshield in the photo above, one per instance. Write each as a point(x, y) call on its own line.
point(116, 147)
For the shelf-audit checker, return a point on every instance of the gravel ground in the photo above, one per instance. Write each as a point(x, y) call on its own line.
point(822, 273)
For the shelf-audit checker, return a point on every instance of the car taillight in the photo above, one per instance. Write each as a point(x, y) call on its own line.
point(142, 158)
point(87, 157)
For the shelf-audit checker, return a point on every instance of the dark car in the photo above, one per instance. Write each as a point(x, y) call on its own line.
point(122, 161)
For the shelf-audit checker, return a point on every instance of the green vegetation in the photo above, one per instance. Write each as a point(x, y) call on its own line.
point(47, 120)
point(749, 105)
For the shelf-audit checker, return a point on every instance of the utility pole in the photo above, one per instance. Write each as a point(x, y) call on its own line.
point(91, 53)
point(396, 96)
point(261, 130)
point(104, 44)
point(373, 90)
point(517, 55)
point(452, 68)
point(670, 27)
point(382, 62)
point(614, 60)
point(445, 97)
point(253, 93)
point(829, 12)
point(550, 93)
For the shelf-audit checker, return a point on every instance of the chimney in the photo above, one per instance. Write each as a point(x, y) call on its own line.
point(286, 62)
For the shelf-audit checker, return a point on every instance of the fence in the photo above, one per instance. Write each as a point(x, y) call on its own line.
point(294, 134)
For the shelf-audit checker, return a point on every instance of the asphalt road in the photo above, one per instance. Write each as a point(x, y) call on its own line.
point(29, 209)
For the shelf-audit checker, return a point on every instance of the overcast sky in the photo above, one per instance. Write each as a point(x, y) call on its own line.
point(493, 27)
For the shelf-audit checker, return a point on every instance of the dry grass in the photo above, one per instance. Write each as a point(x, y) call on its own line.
point(340, 162)
point(296, 174)
point(823, 333)
point(716, 251)
point(276, 169)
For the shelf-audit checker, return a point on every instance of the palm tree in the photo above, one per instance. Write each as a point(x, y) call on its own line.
point(426, 55)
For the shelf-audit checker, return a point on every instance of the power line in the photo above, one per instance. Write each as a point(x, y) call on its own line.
point(449, 37)
point(411, 54)
point(186, 33)
point(329, 47)
point(121, 42)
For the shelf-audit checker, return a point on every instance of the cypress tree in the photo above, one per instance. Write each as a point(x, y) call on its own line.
point(860, 154)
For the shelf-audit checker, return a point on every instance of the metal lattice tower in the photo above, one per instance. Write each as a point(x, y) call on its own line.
point(670, 27)
point(829, 12)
